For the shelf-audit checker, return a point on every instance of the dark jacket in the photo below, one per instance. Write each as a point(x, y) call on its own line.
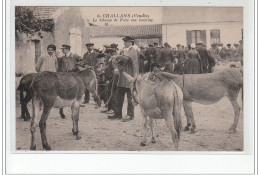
point(131, 67)
point(166, 55)
point(69, 63)
point(90, 58)
point(203, 55)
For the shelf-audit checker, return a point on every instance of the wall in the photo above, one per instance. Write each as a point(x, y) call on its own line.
point(68, 19)
point(230, 32)
point(25, 50)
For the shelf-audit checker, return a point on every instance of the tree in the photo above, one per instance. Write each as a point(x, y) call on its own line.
point(26, 22)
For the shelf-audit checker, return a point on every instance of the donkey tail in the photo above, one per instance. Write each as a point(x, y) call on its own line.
point(178, 98)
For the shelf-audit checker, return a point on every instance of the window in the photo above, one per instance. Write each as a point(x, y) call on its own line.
point(193, 36)
point(214, 36)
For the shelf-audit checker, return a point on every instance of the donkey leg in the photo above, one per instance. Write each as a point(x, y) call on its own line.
point(75, 118)
point(36, 104)
point(232, 96)
point(151, 123)
point(189, 115)
point(170, 124)
point(27, 98)
point(144, 131)
point(42, 124)
point(62, 114)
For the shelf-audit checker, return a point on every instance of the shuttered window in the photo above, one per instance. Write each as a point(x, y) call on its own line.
point(193, 36)
point(215, 36)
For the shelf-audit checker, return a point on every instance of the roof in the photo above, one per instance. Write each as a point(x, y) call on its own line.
point(141, 31)
point(184, 15)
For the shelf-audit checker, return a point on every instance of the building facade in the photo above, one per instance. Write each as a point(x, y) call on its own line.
point(186, 25)
point(69, 27)
point(143, 35)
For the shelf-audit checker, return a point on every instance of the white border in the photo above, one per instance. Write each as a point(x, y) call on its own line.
point(144, 162)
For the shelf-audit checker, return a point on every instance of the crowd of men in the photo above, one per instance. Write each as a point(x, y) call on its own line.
point(112, 62)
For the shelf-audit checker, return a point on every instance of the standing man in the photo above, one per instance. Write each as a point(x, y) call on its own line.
point(130, 66)
point(167, 58)
point(70, 61)
point(204, 63)
point(229, 53)
point(90, 60)
point(240, 51)
point(48, 62)
point(180, 53)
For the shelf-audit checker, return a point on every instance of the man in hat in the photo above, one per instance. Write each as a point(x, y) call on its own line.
point(69, 62)
point(151, 55)
point(180, 54)
point(48, 62)
point(229, 53)
point(90, 60)
point(240, 51)
point(130, 66)
point(204, 63)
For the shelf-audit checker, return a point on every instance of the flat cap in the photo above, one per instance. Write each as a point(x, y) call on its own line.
point(65, 46)
point(52, 46)
point(89, 44)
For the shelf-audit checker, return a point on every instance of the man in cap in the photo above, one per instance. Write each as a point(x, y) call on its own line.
point(151, 55)
point(90, 60)
point(130, 66)
point(48, 62)
point(180, 53)
point(204, 61)
point(69, 62)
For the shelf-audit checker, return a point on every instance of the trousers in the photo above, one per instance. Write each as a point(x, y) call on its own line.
point(121, 91)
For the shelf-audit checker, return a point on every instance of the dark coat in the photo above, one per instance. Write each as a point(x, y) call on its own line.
point(90, 58)
point(70, 63)
point(131, 67)
point(204, 56)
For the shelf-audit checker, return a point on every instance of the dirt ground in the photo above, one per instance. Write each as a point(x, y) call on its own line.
point(98, 133)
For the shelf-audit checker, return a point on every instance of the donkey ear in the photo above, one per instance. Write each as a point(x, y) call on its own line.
point(128, 77)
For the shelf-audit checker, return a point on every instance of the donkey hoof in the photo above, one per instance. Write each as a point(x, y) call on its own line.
point(153, 140)
point(74, 133)
point(186, 128)
point(143, 144)
point(232, 131)
point(192, 131)
point(47, 147)
point(63, 116)
point(33, 147)
point(78, 137)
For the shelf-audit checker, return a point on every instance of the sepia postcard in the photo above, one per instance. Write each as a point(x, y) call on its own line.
point(130, 79)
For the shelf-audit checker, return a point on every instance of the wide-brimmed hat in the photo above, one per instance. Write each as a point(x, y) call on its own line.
point(193, 46)
point(65, 46)
point(113, 45)
point(128, 39)
point(200, 42)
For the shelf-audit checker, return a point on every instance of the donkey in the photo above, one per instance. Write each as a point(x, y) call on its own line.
point(206, 89)
point(24, 86)
point(56, 89)
point(158, 100)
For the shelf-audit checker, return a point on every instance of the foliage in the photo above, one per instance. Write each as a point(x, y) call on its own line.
point(27, 23)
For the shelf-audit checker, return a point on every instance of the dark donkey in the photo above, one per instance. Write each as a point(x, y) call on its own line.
point(59, 90)
point(24, 86)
